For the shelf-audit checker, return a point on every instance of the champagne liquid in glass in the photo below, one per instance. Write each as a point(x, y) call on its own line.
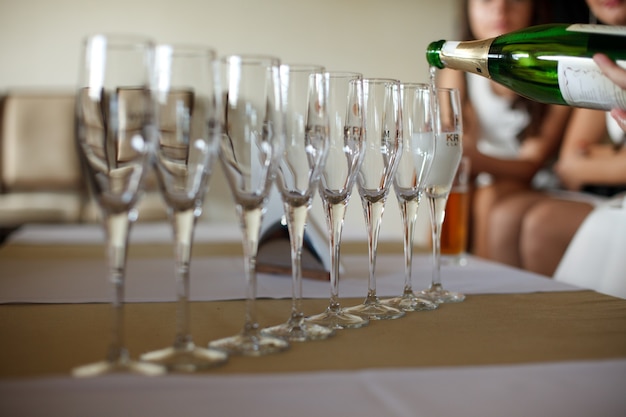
point(448, 153)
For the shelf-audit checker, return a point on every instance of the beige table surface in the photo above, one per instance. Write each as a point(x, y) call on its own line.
point(486, 329)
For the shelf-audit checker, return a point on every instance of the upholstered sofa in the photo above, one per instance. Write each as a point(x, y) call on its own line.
point(40, 173)
point(41, 179)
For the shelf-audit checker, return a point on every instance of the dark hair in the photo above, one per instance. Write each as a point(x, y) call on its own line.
point(541, 15)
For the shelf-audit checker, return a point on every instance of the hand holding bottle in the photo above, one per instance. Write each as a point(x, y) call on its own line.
point(616, 74)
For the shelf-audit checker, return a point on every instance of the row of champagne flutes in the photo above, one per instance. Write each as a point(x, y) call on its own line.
point(178, 108)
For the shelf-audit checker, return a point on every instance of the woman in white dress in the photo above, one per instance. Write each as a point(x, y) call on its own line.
point(508, 138)
point(591, 167)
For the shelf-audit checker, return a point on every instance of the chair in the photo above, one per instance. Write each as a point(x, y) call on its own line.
point(40, 177)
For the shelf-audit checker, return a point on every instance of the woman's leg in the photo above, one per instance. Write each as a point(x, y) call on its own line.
point(546, 231)
point(505, 224)
point(484, 200)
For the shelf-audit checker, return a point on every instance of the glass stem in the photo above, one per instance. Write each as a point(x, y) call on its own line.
point(296, 221)
point(183, 222)
point(251, 226)
point(373, 217)
point(117, 227)
point(408, 213)
point(436, 221)
point(335, 213)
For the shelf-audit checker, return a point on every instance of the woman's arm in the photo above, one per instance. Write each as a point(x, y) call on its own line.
point(535, 150)
point(583, 159)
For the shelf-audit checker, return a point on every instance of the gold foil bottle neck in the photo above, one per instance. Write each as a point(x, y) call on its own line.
point(469, 56)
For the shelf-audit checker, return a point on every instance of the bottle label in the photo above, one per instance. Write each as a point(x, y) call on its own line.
point(600, 29)
point(582, 84)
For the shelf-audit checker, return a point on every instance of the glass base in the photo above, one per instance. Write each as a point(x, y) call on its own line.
point(299, 331)
point(189, 358)
point(121, 366)
point(437, 294)
point(375, 310)
point(250, 344)
point(410, 302)
point(338, 319)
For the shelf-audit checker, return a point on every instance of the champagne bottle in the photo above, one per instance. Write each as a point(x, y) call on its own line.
point(547, 63)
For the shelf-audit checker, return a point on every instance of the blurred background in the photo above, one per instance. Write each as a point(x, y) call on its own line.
point(40, 43)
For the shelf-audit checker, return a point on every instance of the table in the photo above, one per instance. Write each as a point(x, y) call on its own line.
point(48, 340)
point(509, 349)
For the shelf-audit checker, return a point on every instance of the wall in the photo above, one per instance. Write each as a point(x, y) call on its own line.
point(40, 44)
point(40, 39)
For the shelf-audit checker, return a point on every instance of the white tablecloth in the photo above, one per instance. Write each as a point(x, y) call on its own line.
point(568, 389)
point(84, 280)
point(580, 389)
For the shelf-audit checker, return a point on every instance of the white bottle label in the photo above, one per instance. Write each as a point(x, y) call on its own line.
point(601, 29)
point(582, 84)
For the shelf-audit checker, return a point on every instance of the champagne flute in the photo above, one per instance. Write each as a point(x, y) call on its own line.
point(115, 133)
point(252, 142)
point(415, 161)
point(345, 112)
point(449, 149)
point(186, 82)
point(298, 174)
point(381, 151)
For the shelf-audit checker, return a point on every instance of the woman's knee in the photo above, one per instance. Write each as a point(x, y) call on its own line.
point(546, 231)
point(553, 221)
point(504, 226)
point(509, 213)
point(537, 220)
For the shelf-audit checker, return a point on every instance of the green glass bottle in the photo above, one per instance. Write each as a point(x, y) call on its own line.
point(548, 63)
